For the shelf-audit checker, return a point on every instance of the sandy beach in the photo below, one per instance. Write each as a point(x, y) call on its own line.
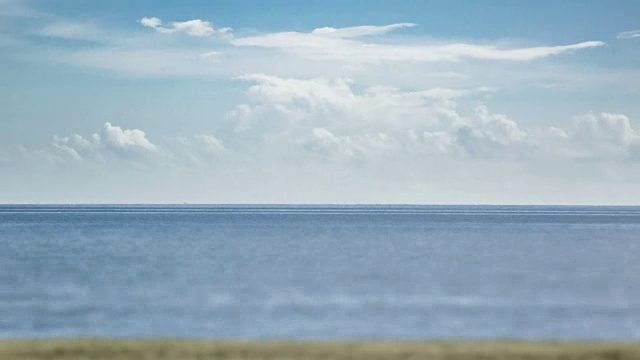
point(216, 349)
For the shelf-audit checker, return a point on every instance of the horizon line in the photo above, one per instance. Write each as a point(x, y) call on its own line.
point(303, 204)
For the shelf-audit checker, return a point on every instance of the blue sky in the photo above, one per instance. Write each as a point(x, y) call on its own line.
point(541, 20)
point(320, 102)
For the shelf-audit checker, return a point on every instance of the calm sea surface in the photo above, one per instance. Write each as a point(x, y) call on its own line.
point(318, 272)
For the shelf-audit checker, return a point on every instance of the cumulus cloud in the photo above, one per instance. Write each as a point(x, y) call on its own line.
point(194, 27)
point(344, 44)
point(324, 118)
point(76, 146)
point(127, 138)
point(482, 135)
point(629, 34)
point(152, 22)
point(329, 130)
point(199, 150)
point(289, 106)
point(110, 141)
point(327, 117)
point(602, 136)
point(211, 144)
point(116, 144)
point(353, 148)
point(491, 135)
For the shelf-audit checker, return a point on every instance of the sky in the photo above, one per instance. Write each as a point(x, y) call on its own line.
point(403, 102)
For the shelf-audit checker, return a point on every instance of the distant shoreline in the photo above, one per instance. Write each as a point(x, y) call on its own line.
point(11, 349)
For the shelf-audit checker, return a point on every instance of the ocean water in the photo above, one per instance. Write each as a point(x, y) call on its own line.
point(320, 272)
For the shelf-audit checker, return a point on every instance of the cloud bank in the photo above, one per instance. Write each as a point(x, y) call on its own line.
point(288, 120)
point(131, 147)
point(331, 132)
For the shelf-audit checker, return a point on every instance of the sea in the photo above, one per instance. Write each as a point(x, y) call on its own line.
point(338, 272)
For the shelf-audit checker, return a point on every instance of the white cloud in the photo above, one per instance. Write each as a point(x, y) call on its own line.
point(112, 141)
point(290, 120)
point(357, 31)
point(492, 135)
point(602, 136)
point(378, 97)
point(195, 27)
point(629, 34)
point(113, 144)
point(368, 54)
point(75, 146)
point(288, 106)
point(211, 144)
point(210, 54)
point(342, 44)
point(199, 150)
point(354, 148)
point(127, 138)
point(329, 118)
point(326, 131)
point(152, 22)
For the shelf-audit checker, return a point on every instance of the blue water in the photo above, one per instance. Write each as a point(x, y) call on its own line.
point(320, 272)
